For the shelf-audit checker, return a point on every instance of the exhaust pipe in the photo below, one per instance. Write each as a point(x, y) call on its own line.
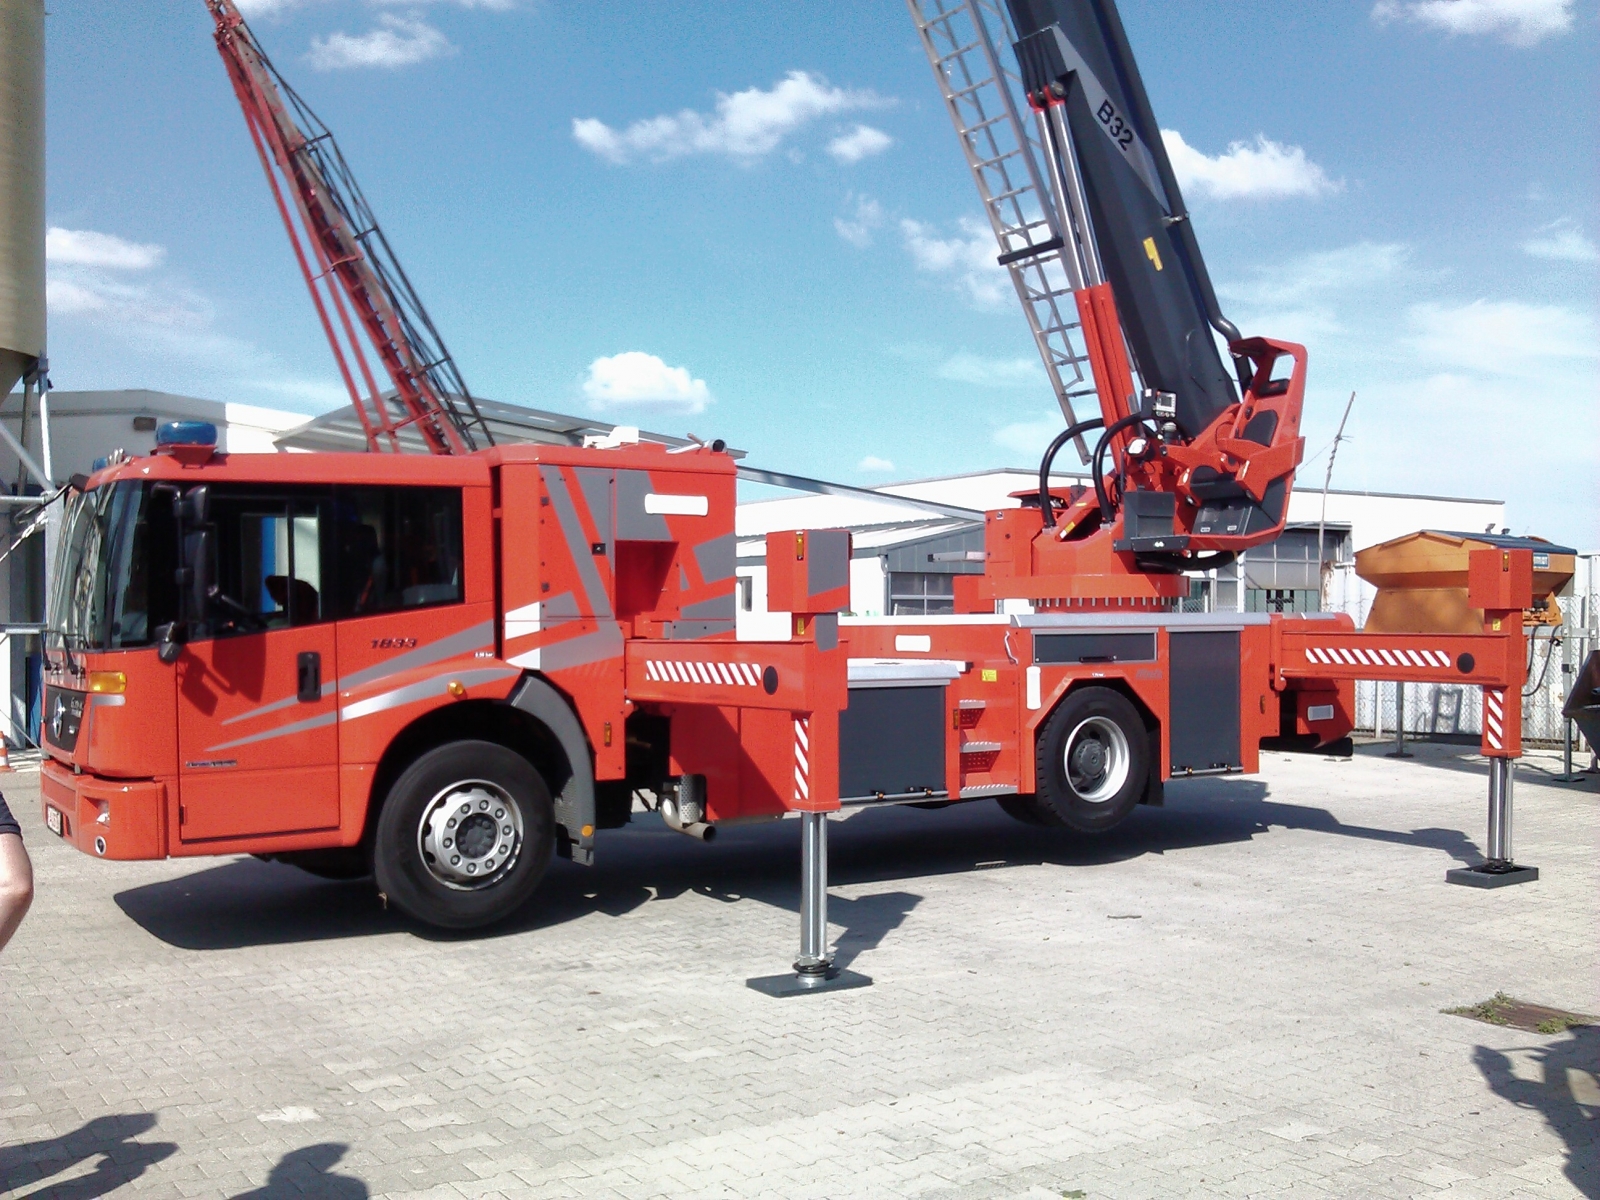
point(682, 806)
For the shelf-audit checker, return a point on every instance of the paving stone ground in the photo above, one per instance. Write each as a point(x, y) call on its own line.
point(1237, 995)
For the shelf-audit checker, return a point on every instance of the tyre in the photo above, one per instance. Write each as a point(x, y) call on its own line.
point(1092, 761)
point(465, 835)
point(1022, 808)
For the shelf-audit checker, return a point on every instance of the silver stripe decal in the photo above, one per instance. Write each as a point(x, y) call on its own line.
point(422, 690)
point(577, 545)
point(467, 640)
point(281, 731)
point(717, 558)
point(603, 644)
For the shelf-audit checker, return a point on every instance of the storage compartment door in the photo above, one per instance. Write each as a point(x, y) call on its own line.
point(1204, 708)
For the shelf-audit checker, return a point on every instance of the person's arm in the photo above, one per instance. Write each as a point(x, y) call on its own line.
point(16, 875)
point(16, 885)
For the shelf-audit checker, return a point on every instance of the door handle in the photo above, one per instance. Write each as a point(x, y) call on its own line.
point(309, 676)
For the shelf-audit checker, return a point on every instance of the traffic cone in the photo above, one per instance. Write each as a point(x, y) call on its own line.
point(5, 757)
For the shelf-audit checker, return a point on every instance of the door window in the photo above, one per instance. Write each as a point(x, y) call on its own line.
point(270, 568)
point(399, 547)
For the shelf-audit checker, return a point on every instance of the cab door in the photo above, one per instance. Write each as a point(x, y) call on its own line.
point(258, 735)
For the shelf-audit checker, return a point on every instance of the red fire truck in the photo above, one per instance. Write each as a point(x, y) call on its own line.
point(447, 669)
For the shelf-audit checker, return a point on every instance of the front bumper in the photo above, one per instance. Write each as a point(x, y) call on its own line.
point(107, 818)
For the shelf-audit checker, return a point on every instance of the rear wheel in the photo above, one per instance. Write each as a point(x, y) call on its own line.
point(465, 835)
point(1093, 762)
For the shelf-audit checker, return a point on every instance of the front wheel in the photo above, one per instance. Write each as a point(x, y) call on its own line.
point(465, 835)
point(1093, 761)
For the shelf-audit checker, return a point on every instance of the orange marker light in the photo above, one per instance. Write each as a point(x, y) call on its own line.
point(108, 683)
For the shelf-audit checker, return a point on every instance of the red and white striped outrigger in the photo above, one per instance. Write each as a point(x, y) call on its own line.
point(1501, 584)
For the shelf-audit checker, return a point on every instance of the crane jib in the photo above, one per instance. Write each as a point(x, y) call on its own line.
point(1051, 56)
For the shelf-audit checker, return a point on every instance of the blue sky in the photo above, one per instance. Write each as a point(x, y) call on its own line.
point(752, 221)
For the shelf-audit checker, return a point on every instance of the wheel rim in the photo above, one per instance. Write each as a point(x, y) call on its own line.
point(470, 834)
point(1096, 760)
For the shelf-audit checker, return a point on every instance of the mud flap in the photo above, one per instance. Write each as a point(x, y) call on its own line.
point(575, 803)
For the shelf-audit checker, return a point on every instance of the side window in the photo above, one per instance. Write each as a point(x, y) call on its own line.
point(398, 547)
point(270, 560)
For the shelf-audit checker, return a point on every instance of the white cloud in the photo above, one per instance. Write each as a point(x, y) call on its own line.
point(1267, 170)
point(968, 258)
point(1311, 276)
point(1031, 437)
point(861, 142)
point(992, 372)
point(634, 377)
point(1563, 241)
point(489, 5)
point(1520, 22)
point(873, 463)
point(308, 393)
point(266, 8)
point(1503, 338)
point(857, 228)
point(1310, 297)
point(270, 8)
point(745, 125)
point(86, 248)
point(397, 42)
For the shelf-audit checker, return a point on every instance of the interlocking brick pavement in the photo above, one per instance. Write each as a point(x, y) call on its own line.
point(1237, 995)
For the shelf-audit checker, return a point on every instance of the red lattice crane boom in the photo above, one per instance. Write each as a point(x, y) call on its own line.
point(367, 306)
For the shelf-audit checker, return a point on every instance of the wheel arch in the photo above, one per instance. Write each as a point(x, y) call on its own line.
point(535, 721)
point(1153, 794)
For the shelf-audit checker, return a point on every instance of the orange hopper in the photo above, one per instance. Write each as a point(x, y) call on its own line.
point(1422, 580)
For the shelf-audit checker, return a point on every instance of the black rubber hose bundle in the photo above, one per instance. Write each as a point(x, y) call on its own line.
point(1099, 452)
point(1062, 438)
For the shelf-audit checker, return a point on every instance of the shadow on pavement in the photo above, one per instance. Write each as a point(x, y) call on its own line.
point(110, 1139)
point(1568, 1096)
point(1463, 757)
point(251, 903)
point(306, 1172)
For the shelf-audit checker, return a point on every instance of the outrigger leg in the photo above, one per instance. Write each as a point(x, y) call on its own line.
point(1499, 870)
point(813, 970)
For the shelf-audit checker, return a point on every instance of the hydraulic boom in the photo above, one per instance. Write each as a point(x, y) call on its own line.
point(1192, 463)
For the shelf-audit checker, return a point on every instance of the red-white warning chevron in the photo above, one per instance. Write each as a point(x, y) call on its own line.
point(733, 674)
point(1494, 718)
point(1377, 656)
point(802, 759)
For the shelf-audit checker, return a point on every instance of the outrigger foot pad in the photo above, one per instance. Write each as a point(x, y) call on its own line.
point(1491, 875)
point(793, 983)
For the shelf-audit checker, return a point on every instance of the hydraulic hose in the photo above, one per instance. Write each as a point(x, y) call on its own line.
point(1099, 452)
point(1062, 438)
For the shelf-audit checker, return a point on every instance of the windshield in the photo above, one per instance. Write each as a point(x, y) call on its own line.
point(115, 541)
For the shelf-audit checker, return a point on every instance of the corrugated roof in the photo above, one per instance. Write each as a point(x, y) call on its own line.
point(509, 423)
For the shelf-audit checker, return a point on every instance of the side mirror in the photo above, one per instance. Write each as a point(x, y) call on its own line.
point(169, 641)
point(197, 505)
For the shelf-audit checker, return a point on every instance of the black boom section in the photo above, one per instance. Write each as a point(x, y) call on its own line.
point(1140, 227)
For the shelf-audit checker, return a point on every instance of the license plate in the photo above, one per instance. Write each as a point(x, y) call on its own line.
point(52, 819)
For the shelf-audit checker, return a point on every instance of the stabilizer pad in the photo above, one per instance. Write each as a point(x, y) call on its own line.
point(1478, 877)
point(789, 983)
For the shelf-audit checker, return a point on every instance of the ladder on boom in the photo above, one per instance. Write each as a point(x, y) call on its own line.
point(1042, 253)
point(360, 291)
